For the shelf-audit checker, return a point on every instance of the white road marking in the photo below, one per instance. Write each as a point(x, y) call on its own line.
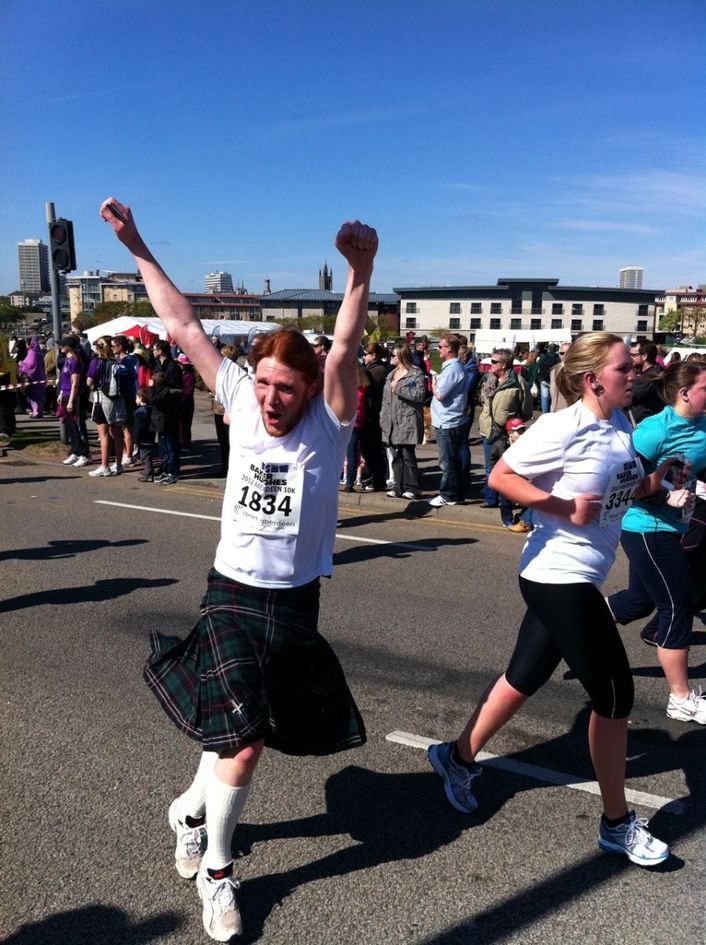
point(653, 801)
point(147, 508)
point(217, 518)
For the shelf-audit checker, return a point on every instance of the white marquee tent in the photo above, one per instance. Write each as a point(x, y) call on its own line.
point(226, 330)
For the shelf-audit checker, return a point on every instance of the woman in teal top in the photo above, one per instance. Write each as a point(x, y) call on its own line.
point(652, 531)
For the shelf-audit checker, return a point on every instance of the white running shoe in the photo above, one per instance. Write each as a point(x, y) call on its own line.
point(439, 501)
point(190, 843)
point(128, 461)
point(691, 709)
point(634, 841)
point(70, 460)
point(116, 470)
point(102, 471)
point(82, 461)
point(221, 916)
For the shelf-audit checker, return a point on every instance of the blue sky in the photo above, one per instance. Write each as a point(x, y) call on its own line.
point(484, 138)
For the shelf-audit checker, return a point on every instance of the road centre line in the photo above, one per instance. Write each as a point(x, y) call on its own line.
point(653, 801)
point(147, 508)
point(427, 520)
point(217, 518)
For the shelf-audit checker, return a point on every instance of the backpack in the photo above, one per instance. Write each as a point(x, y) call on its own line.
point(113, 381)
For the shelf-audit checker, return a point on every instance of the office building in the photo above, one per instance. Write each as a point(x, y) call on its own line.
point(92, 288)
point(690, 306)
point(240, 305)
point(33, 258)
point(631, 277)
point(310, 303)
point(219, 282)
point(526, 310)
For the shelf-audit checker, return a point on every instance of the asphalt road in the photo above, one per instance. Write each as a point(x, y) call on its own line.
point(356, 848)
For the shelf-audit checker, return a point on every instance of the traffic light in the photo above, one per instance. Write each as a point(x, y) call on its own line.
point(61, 242)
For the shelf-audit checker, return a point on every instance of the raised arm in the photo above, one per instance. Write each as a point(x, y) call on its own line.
point(175, 313)
point(357, 244)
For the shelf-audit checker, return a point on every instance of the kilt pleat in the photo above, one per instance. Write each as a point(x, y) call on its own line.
point(256, 667)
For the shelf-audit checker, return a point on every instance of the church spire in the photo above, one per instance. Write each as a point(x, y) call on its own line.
point(325, 278)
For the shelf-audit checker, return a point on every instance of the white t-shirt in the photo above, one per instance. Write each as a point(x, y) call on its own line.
point(281, 499)
point(571, 453)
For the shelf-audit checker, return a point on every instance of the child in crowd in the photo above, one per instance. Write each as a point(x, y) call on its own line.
point(523, 522)
point(166, 404)
point(513, 429)
point(142, 433)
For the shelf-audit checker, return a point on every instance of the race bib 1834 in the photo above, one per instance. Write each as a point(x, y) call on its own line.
point(267, 497)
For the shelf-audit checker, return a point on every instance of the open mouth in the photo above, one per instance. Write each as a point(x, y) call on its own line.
point(272, 419)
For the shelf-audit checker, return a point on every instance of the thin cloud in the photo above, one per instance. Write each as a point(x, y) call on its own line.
point(652, 192)
point(346, 118)
point(604, 226)
point(465, 187)
point(76, 97)
point(221, 262)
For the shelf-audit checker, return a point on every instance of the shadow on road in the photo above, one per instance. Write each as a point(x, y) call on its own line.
point(111, 589)
point(396, 550)
point(94, 924)
point(66, 548)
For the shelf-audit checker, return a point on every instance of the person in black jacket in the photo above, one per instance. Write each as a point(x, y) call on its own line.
point(645, 397)
point(548, 357)
point(143, 434)
point(165, 364)
point(371, 435)
point(166, 404)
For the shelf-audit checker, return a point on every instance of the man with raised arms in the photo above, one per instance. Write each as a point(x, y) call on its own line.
point(255, 671)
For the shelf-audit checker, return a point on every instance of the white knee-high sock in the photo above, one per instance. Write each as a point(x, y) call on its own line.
point(192, 802)
point(224, 805)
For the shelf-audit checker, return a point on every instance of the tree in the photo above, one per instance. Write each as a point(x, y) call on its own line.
point(669, 322)
point(143, 309)
point(8, 312)
point(106, 311)
point(83, 321)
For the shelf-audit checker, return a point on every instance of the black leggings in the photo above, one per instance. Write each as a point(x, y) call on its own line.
point(572, 622)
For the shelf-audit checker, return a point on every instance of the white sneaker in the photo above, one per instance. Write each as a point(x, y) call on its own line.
point(128, 461)
point(221, 916)
point(190, 844)
point(102, 471)
point(70, 460)
point(633, 840)
point(82, 461)
point(438, 501)
point(691, 709)
point(115, 470)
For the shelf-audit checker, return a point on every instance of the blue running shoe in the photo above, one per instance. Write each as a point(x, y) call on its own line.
point(458, 780)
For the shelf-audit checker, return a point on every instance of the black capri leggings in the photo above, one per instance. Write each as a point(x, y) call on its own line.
point(572, 622)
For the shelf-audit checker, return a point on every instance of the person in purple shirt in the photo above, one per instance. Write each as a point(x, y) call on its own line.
point(32, 371)
point(69, 400)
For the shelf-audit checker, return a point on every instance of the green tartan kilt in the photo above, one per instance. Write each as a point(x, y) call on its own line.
point(255, 667)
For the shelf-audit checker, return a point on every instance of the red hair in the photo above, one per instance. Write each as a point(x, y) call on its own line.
point(289, 346)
